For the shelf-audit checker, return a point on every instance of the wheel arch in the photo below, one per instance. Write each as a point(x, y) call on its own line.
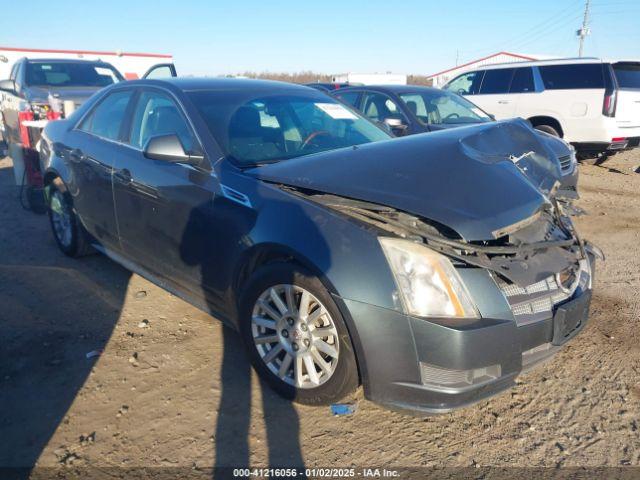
point(268, 253)
point(538, 120)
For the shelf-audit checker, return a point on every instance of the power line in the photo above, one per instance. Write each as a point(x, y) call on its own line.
point(558, 17)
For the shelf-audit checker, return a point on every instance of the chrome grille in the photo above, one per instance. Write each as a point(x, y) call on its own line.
point(565, 163)
point(534, 302)
point(537, 301)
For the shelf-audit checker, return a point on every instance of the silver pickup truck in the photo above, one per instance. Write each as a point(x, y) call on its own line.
point(40, 90)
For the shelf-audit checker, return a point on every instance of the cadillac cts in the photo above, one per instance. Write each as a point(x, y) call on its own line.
point(431, 269)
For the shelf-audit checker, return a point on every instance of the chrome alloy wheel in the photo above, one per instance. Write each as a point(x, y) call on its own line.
point(61, 219)
point(295, 336)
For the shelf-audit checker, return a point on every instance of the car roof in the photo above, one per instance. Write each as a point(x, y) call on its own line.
point(390, 89)
point(65, 60)
point(551, 61)
point(236, 84)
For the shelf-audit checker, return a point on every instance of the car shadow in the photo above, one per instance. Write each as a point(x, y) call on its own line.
point(53, 311)
point(215, 229)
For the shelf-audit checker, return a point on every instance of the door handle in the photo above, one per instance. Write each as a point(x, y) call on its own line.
point(503, 102)
point(123, 176)
point(76, 154)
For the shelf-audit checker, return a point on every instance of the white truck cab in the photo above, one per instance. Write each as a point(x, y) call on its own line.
point(592, 103)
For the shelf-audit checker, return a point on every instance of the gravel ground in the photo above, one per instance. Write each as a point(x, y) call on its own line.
point(171, 387)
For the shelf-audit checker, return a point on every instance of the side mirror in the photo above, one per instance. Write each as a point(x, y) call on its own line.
point(8, 86)
point(396, 125)
point(492, 116)
point(169, 149)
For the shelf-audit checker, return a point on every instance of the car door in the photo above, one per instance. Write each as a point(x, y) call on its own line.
point(382, 109)
point(523, 93)
point(155, 198)
point(494, 96)
point(11, 105)
point(161, 70)
point(91, 151)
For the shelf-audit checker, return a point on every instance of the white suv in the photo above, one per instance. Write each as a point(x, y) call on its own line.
point(593, 104)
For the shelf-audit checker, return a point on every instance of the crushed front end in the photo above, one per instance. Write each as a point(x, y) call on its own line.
point(531, 285)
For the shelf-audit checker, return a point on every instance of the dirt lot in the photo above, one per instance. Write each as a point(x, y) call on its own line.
point(172, 387)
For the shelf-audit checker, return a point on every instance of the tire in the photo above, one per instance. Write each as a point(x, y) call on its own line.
point(338, 377)
point(66, 228)
point(548, 129)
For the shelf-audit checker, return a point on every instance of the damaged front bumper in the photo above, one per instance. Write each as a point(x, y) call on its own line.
point(437, 365)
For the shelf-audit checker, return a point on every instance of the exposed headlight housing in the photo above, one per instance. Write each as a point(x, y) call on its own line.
point(428, 282)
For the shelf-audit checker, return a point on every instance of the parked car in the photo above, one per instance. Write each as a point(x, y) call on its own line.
point(327, 86)
point(412, 109)
point(591, 103)
point(431, 268)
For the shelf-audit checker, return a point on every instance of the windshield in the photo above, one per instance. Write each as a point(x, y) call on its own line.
point(265, 129)
point(627, 74)
point(70, 74)
point(443, 108)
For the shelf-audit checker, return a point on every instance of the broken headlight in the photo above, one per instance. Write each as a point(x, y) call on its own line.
point(428, 283)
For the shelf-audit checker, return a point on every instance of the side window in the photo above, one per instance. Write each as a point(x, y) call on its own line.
point(575, 76)
point(378, 107)
point(415, 104)
point(157, 114)
point(496, 81)
point(14, 69)
point(466, 84)
point(160, 71)
point(350, 98)
point(18, 74)
point(106, 118)
point(522, 81)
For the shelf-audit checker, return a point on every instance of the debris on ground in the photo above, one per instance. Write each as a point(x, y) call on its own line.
point(343, 408)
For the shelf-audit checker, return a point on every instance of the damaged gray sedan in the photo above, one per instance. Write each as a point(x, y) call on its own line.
point(431, 269)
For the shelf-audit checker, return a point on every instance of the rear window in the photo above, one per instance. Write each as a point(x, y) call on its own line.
point(349, 97)
point(70, 74)
point(571, 77)
point(496, 81)
point(627, 74)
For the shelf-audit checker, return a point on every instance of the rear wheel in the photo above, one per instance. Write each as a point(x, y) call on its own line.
point(296, 337)
point(67, 230)
point(548, 129)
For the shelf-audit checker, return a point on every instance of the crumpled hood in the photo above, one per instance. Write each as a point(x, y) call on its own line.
point(462, 178)
point(78, 94)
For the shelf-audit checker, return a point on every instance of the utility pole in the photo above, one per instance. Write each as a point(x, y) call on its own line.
point(585, 30)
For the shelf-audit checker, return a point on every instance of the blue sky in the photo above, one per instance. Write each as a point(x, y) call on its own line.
point(412, 36)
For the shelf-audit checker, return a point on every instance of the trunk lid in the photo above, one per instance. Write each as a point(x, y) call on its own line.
point(462, 178)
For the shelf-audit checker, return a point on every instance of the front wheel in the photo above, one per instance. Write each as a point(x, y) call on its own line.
point(296, 337)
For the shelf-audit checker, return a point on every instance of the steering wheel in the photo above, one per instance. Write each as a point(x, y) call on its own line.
point(311, 136)
point(451, 115)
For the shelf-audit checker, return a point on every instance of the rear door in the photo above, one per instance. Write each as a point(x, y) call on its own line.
point(155, 198)
point(94, 146)
point(628, 107)
point(494, 95)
